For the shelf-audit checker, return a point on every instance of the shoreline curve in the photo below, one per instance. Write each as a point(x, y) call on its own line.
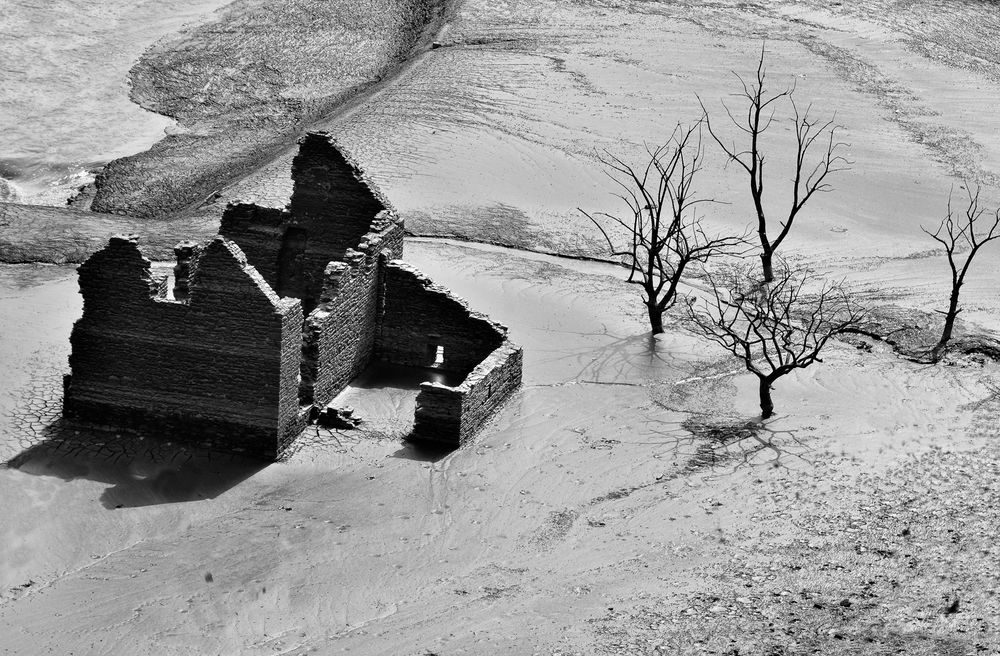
point(243, 86)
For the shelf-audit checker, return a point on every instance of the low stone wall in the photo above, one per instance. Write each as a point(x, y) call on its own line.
point(219, 369)
point(424, 325)
point(339, 335)
point(452, 415)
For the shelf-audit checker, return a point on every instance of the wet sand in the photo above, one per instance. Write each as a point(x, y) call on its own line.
point(65, 108)
point(494, 137)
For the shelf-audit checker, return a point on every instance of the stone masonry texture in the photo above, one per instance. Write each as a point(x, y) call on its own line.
point(419, 318)
point(219, 369)
point(453, 415)
point(344, 326)
point(331, 209)
point(274, 318)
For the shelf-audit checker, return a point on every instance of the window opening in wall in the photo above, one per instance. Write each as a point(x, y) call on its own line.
point(434, 353)
point(170, 287)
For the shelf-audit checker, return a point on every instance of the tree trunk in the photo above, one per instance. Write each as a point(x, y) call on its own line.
point(949, 324)
point(765, 261)
point(766, 405)
point(655, 318)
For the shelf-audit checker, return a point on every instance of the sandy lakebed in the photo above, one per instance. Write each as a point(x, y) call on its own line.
point(621, 503)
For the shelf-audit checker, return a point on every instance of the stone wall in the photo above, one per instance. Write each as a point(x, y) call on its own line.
point(230, 363)
point(332, 208)
point(258, 231)
point(219, 369)
point(421, 316)
point(452, 415)
point(339, 335)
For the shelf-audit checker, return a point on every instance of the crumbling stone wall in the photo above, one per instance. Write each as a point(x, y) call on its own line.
point(331, 210)
point(219, 369)
point(258, 231)
point(452, 415)
point(420, 317)
point(230, 363)
point(339, 335)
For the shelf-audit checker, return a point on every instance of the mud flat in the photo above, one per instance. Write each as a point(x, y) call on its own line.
point(494, 136)
point(617, 505)
point(621, 503)
point(242, 85)
point(58, 235)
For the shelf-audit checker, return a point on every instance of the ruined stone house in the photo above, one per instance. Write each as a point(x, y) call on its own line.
point(272, 319)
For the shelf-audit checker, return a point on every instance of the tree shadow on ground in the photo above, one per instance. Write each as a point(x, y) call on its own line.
point(713, 447)
point(140, 471)
point(739, 443)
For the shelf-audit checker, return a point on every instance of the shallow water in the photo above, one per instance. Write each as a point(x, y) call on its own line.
point(64, 108)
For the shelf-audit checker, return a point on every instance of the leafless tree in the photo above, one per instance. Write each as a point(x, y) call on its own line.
point(962, 234)
point(660, 236)
point(776, 327)
point(809, 174)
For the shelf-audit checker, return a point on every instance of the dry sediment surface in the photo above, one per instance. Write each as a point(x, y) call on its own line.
point(35, 233)
point(243, 85)
point(620, 503)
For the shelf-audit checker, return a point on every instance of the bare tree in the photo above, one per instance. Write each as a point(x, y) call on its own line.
point(660, 236)
point(809, 174)
point(961, 233)
point(774, 328)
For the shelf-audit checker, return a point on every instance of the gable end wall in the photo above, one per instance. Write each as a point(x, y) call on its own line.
point(219, 370)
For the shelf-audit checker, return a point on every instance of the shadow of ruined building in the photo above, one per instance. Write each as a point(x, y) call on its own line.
point(264, 325)
point(137, 471)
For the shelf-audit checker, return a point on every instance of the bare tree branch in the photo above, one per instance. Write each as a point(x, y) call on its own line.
point(660, 236)
point(809, 176)
point(776, 327)
point(959, 233)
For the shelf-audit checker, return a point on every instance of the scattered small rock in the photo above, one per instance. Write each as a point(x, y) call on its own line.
point(342, 418)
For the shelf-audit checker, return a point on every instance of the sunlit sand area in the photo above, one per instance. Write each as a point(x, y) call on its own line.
point(628, 497)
